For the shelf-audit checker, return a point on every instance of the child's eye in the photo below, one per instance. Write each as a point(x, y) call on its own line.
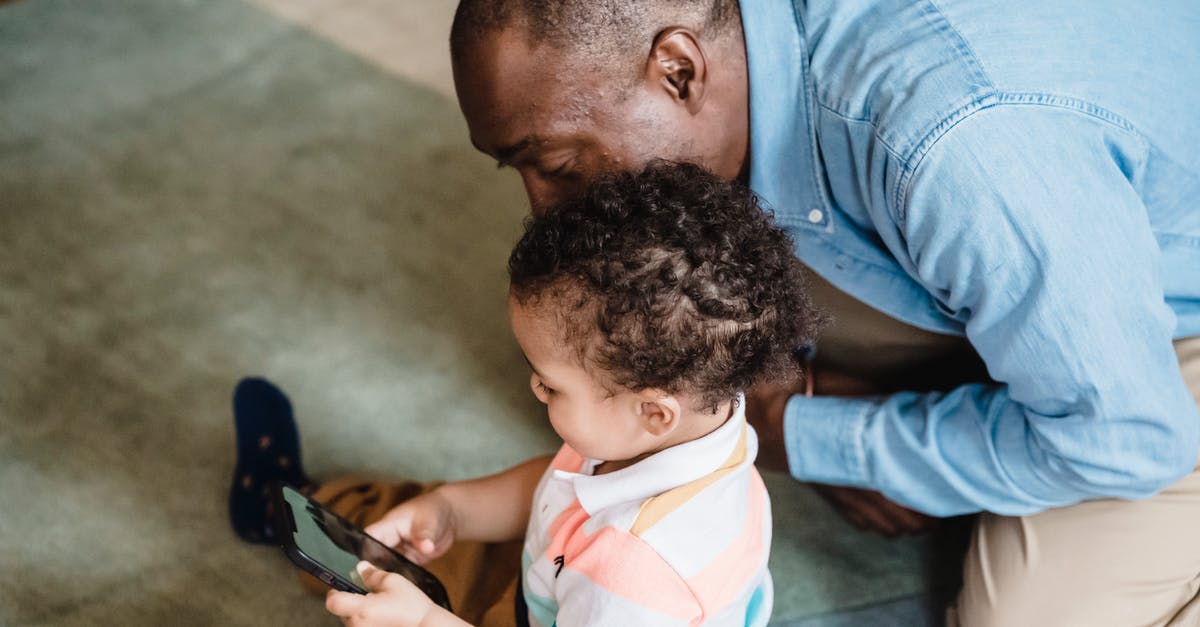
point(544, 388)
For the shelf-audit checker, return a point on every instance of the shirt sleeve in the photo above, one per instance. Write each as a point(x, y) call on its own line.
point(1024, 223)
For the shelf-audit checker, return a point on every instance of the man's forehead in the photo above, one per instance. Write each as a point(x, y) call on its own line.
point(508, 132)
point(501, 96)
point(501, 62)
point(508, 86)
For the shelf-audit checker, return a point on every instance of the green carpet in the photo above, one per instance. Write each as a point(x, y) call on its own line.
point(192, 191)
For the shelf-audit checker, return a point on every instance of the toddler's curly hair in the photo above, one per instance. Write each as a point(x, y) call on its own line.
point(669, 278)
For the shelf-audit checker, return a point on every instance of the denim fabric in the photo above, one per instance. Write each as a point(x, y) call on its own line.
point(1026, 175)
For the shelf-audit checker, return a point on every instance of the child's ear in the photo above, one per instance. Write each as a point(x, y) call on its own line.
point(659, 411)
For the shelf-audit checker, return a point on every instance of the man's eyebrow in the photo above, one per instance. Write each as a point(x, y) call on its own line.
point(506, 154)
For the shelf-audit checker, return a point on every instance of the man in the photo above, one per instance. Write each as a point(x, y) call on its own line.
point(1016, 182)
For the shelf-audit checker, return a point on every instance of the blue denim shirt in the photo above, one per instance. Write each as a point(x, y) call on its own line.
point(1024, 174)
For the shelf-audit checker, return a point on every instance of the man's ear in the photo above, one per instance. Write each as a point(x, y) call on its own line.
point(660, 412)
point(677, 65)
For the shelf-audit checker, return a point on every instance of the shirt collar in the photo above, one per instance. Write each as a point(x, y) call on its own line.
point(783, 147)
point(666, 469)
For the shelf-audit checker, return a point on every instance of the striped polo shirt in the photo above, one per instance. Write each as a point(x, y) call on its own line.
point(679, 538)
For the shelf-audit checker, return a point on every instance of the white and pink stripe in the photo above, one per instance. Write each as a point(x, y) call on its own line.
point(680, 538)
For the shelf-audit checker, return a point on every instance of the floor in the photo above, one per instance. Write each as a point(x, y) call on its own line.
point(196, 190)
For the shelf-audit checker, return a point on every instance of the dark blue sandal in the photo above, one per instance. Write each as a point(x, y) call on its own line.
point(268, 449)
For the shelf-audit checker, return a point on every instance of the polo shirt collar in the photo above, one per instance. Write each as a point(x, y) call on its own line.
point(662, 471)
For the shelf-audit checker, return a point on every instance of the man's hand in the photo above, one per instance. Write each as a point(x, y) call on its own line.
point(865, 509)
point(764, 411)
point(421, 529)
point(393, 601)
point(869, 510)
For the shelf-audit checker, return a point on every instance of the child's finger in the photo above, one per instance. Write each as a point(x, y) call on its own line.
point(343, 604)
point(392, 528)
point(375, 578)
point(426, 545)
point(385, 533)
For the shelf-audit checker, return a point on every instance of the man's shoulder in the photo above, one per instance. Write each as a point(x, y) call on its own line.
point(909, 70)
point(892, 68)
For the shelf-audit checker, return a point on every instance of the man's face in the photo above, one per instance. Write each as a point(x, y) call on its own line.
point(560, 123)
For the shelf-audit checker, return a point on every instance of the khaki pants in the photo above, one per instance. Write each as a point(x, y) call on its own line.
point(1106, 563)
point(1095, 564)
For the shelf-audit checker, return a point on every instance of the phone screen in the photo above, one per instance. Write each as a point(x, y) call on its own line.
point(338, 546)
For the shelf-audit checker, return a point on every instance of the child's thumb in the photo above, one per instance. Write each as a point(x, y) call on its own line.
point(425, 533)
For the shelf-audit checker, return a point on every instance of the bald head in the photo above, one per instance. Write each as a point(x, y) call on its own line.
point(606, 32)
point(566, 90)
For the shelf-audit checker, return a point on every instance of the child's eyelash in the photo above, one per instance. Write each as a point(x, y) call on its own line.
point(544, 388)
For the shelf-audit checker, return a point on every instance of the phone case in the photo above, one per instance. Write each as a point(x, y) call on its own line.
point(285, 527)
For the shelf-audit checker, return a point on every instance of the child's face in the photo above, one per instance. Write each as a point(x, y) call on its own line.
point(595, 422)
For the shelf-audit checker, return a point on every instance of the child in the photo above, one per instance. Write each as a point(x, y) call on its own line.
point(644, 308)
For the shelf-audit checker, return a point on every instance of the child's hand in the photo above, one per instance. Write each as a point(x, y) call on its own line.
point(393, 601)
point(421, 528)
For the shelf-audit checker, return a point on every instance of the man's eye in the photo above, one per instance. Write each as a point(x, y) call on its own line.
point(561, 170)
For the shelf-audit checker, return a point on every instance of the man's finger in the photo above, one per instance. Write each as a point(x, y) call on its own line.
point(860, 507)
point(854, 519)
point(886, 517)
point(877, 520)
point(847, 508)
point(911, 521)
point(343, 604)
point(900, 520)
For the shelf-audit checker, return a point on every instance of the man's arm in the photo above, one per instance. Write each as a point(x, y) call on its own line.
point(866, 510)
point(1023, 222)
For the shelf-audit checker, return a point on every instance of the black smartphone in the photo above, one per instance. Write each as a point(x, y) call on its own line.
point(330, 547)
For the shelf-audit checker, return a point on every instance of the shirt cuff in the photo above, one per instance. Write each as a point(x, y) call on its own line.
point(824, 439)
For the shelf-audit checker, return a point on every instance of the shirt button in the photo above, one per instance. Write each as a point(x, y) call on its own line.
point(815, 215)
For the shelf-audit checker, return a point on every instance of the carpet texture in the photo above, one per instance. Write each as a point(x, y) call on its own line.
point(192, 191)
